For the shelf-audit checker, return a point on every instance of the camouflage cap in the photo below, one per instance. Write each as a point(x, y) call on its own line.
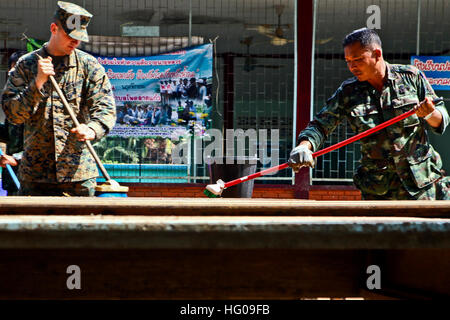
point(74, 20)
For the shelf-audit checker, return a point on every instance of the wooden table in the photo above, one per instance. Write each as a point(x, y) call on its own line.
point(176, 248)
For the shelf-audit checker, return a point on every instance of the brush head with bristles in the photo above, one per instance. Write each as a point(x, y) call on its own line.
point(111, 186)
point(215, 190)
point(209, 194)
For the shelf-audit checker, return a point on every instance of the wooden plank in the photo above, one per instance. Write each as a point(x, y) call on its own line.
point(215, 207)
point(417, 273)
point(166, 232)
point(181, 274)
point(221, 274)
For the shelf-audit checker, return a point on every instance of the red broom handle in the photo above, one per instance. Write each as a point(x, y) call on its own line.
point(256, 175)
point(326, 150)
point(364, 134)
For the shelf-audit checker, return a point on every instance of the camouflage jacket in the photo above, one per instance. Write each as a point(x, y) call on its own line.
point(402, 147)
point(51, 153)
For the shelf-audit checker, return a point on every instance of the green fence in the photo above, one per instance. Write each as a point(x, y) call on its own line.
point(147, 173)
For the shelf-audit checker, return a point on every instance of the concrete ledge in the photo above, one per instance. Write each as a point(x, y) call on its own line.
point(217, 207)
point(165, 232)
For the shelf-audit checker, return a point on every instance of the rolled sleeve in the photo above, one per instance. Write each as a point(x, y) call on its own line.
point(98, 129)
point(313, 135)
point(445, 119)
point(425, 90)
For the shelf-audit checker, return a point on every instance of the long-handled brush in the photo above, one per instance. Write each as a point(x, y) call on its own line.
point(215, 190)
point(111, 187)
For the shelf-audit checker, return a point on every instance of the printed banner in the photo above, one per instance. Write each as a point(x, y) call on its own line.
point(159, 99)
point(435, 68)
point(156, 92)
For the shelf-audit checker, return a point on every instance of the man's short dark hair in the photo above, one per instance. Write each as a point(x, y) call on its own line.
point(57, 22)
point(366, 37)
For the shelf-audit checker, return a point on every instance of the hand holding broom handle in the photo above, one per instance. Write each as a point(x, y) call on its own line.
point(77, 124)
point(11, 173)
point(216, 189)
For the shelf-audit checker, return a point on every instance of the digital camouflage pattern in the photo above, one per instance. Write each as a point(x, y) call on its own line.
point(74, 20)
point(12, 135)
point(51, 153)
point(401, 150)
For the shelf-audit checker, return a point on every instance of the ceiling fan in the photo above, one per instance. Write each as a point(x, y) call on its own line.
point(250, 62)
point(275, 32)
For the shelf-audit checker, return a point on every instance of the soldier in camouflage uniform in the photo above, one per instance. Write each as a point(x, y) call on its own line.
point(55, 159)
point(398, 162)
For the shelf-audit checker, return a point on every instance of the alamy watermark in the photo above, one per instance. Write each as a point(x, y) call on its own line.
point(374, 280)
point(374, 20)
point(74, 22)
point(74, 280)
point(239, 146)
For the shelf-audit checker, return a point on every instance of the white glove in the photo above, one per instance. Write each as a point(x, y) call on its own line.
point(300, 157)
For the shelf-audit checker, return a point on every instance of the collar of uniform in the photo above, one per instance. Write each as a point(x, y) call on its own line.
point(43, 51)
point(365, 85)
point(390, 73)
point(67, 61)
point(72, 60)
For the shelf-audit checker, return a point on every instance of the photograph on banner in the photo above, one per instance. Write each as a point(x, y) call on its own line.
point(159, 100)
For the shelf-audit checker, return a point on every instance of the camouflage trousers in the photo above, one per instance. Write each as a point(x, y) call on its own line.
point(84, 188)
point(440, 190)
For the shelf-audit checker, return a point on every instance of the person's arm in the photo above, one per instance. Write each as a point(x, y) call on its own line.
point(100, 101)
point(435, 115)
point(430, 113)
point(7, 159)
point(324, 122)
point(14, 145)
point(310, 139)
point(23, 91)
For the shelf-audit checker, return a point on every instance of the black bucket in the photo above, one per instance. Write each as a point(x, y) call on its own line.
point(231, 171)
